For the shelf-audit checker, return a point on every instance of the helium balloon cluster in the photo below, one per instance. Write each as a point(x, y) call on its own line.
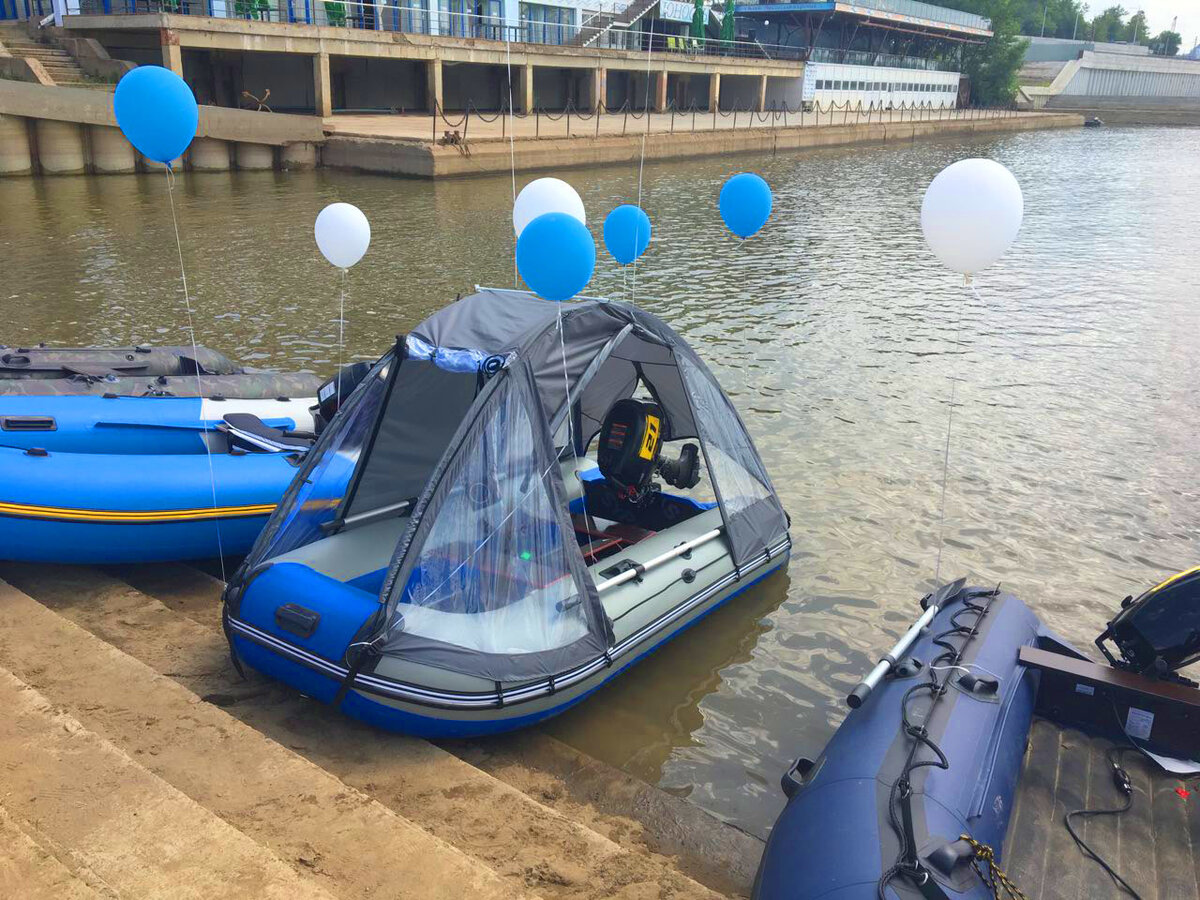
point(971, 214)
point(556, 254)
point(157, 112)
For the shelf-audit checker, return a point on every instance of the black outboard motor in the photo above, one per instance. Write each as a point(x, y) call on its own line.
point(334, 392)
point(1158, 633)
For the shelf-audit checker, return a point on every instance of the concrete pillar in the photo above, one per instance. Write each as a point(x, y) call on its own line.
point(434, 96)
point(60, 147)
point(14, 146)
point(254, 156)
point(660, 92)
point(762, 93)
point(714, 91)
point(299, 155)
point(525, 95)
point(599, 96)
point(172, 56)
point(322, 86)
point(112, 154)
point(209, 155)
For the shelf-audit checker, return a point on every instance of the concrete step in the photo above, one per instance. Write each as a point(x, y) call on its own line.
point(29, 870)
point(351, 845)
point(581, 788)
point(139, 836)
point(524, 840)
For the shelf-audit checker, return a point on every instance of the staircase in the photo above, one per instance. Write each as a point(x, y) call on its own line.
point(62, 68)
point(594, 27)
point(139, 764)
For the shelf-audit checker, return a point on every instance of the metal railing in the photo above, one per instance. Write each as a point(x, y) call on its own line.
point(418, 18)
point(455, 129)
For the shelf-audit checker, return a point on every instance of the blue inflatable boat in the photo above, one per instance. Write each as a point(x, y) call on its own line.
point(136, 454)
point(966, 746)
point(527, 517)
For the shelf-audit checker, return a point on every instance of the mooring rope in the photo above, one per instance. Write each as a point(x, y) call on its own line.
point(187, 302)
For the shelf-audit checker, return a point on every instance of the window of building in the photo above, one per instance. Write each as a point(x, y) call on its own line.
point(543, 24)
point(470, 18)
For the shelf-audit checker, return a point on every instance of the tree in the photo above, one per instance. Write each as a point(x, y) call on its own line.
point(1109, 25)
point(992, 66)
point(1137, 32)
point(1166, 43)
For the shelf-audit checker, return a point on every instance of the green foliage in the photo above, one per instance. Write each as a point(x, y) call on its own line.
point(1137, 32)
point(992, 67)
point(1109, 25)
point(1166, 43)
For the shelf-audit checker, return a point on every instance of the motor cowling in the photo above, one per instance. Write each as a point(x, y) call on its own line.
point(334, 392)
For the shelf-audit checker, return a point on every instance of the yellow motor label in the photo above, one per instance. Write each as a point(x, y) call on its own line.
point(650, 441)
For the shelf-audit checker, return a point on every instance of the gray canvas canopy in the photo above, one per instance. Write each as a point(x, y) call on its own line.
point(457, 440)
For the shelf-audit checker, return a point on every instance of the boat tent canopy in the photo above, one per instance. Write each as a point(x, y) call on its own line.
point(458, 439)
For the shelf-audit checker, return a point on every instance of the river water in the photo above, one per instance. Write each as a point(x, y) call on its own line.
point(1073, 472)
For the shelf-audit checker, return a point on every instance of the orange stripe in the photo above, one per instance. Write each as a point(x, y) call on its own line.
point(30, 511)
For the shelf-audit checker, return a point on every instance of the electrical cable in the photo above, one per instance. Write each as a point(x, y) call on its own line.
point(1123, 784)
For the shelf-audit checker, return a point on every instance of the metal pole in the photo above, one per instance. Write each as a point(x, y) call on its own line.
point(863, 689)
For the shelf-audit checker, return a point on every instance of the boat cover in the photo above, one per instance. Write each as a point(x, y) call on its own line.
point(462, 428)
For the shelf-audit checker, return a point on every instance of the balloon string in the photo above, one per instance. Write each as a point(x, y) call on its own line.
point(512, 146)
point(642, 160)
point(187, 302)
point(341, 339)
point(937, 571)
point(562, 344)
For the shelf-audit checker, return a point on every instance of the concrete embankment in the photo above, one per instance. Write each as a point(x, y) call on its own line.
point(60, 131)
point(140, 743)
point(428, 160)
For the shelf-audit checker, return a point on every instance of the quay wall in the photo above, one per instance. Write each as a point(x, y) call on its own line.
point(61, 131)
point(425, 160)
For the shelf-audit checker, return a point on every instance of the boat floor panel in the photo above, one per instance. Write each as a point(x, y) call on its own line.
point(1155, 846)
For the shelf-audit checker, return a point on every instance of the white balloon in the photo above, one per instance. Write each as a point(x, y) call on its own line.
point(343, 234)
point(546, 195)
point(971, 214)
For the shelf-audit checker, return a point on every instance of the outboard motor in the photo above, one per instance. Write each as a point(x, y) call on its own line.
point(1158, 633)
point(630, 451)
point(334, 392)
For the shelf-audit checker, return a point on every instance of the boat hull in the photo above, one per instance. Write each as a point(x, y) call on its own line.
point(109, 508)
point(321, 671)
point(835, 838)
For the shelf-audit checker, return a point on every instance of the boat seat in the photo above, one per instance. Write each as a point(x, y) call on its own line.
point(249, 432)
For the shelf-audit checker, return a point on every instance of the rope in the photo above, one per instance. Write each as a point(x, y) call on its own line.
point(341, 338)
point(187, 302)
point(642, 160)
point(512, 147)
point(995, 878)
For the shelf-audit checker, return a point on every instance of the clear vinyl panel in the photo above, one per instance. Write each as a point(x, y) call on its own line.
point(490, 570)
point(755, 518)
point(316, 498)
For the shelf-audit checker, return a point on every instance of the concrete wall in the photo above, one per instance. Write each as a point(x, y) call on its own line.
point(739, 92)
point(784, 91)
point(1063, 49)
point(219, 78)
point(376, 84)
point(1117, 75)
point(483, 86)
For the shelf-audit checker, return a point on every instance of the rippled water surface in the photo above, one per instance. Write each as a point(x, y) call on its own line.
point(1073, 467)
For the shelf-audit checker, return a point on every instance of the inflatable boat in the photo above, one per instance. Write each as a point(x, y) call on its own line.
point(966, 746)
point(139, 454)
point(511, 510)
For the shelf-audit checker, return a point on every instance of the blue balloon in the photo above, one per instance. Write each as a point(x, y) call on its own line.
point(556, 255)
point(627, 233)
point(157, 112)
point(745, 204)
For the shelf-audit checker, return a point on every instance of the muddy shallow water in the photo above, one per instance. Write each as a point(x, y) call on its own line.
point(1073, 471)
